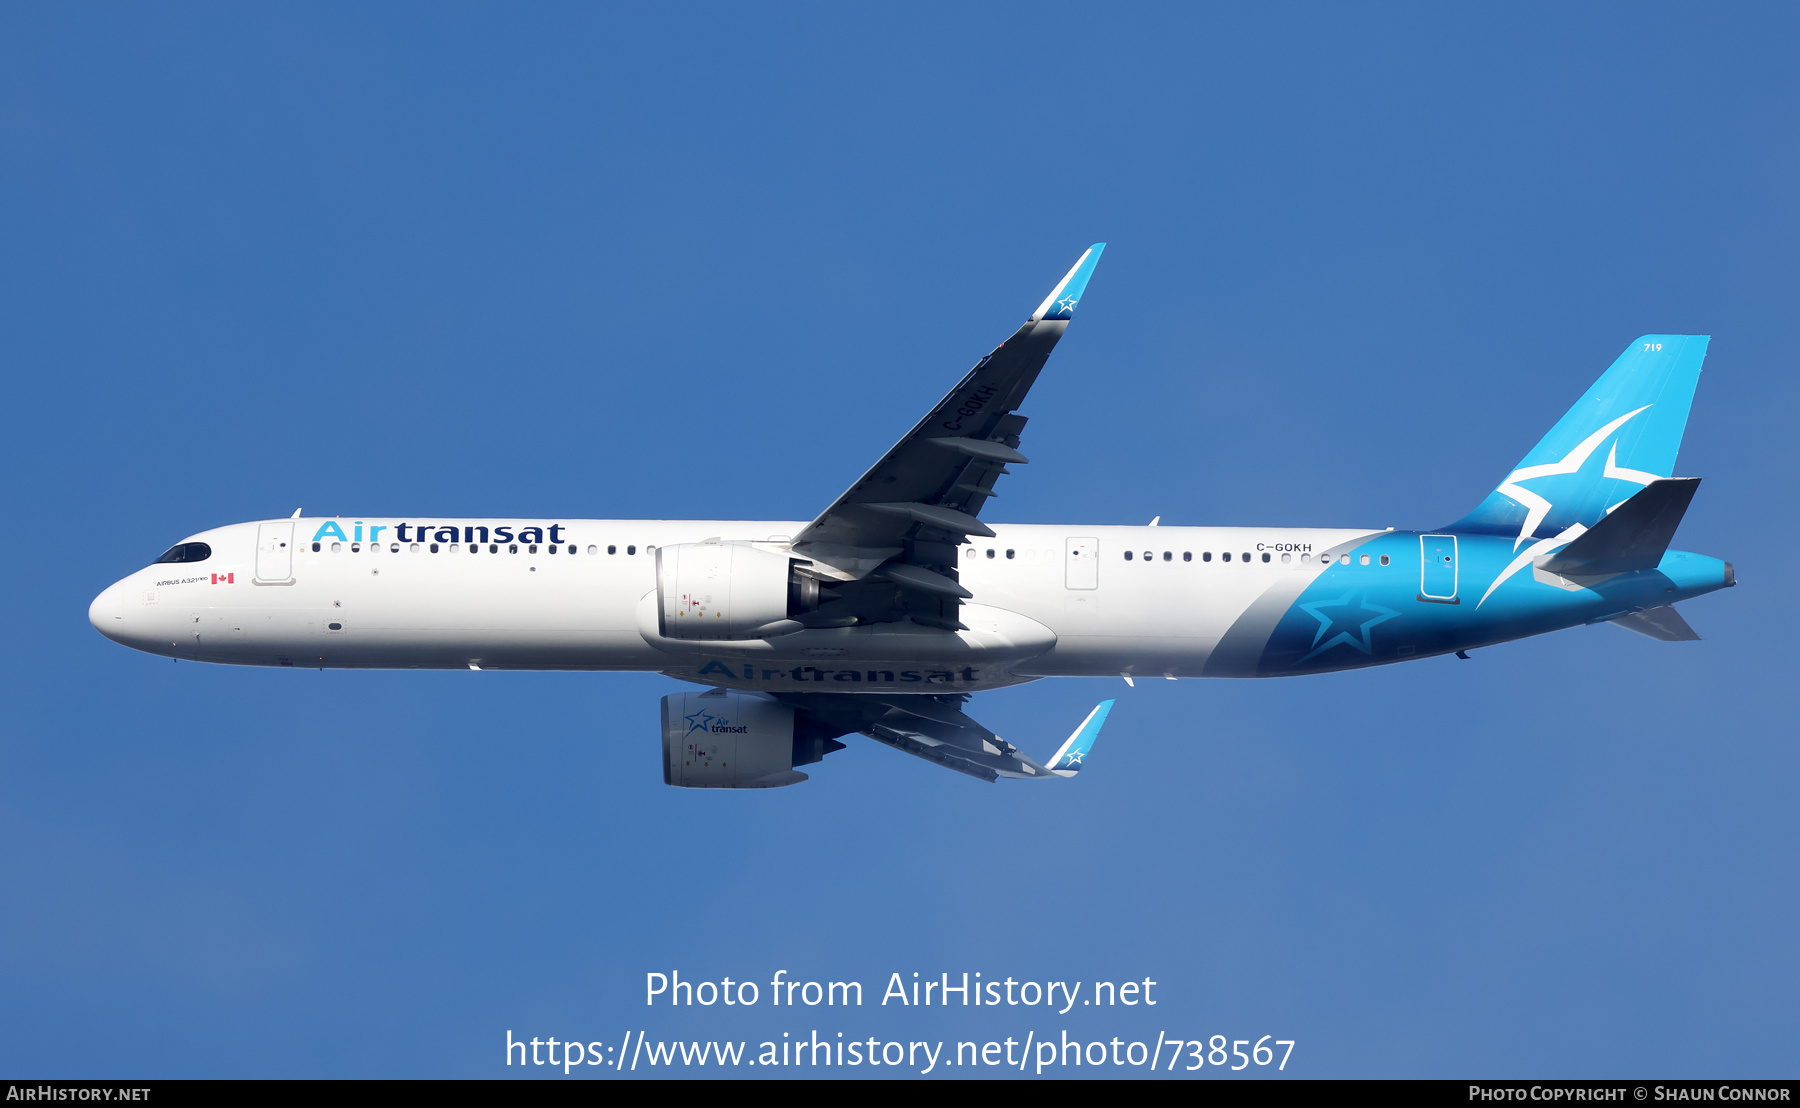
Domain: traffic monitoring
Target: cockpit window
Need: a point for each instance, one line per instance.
(186, 552)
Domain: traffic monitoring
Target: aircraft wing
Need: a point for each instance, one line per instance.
(899, 526)
(936, 729)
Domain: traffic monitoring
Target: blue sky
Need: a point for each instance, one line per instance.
(709, 262)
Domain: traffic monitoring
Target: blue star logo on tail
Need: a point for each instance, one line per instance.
(1566, 479)
(1569, 476)
(1345, 620)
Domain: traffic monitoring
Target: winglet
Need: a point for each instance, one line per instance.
(1068, 759)
(1060, 304)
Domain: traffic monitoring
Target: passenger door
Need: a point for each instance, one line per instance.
(275, 551)
(1437, 568)
(1081, 563)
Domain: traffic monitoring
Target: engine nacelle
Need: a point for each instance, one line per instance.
(733, 740)
(721, 590)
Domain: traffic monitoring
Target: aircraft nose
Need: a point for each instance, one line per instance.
(107, 612)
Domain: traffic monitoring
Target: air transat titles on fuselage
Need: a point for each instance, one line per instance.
(428, 532)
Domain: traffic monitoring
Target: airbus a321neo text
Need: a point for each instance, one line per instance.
(886, 612)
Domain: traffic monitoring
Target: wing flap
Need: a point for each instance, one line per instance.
(936, 729)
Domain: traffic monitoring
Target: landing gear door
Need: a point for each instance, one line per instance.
(1081, 563)
(275, 552)
(1437, 568)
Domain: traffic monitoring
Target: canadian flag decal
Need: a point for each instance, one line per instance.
(224, 578)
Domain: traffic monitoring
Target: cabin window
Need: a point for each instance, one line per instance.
(1344, 560)
(356, 548)
(1365, 559)
(394, 548)
(513, 548)
(1128, 555)
(1285, 558)
(592, 549)
(1225, 557)
(334, 626)
(631, 550)
(531, 549)
(315, 548)
(1009, 555)
(434, 548)
(1384, 559)
(1266, 556)
(455, 547)
(1168, 556)
(1187, 555)
(336, 547)
(1206, 556)
(551, 549)
(414, 548)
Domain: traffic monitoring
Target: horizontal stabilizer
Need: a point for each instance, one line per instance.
(1663, 624)
(1633, 537)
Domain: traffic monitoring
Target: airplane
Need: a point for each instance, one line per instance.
(884, 614)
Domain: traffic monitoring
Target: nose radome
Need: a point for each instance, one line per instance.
(107, 612)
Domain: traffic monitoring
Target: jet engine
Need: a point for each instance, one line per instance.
(733, 740)
(727, 590)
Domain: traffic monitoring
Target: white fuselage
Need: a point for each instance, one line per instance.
(1038, 609)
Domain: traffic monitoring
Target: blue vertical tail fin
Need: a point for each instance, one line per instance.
(1621, 435)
